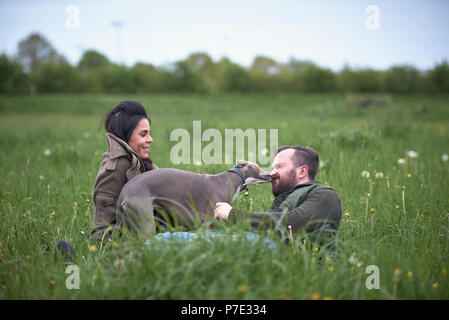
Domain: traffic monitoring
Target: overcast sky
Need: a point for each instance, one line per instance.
(330, 33)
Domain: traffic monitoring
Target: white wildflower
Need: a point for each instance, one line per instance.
(41, 177)
(412, 154)
(365, 174)
(379, 175)
(264, 151)
(354, 261)
(47, 152)
(401, 161)
(444, 157)
(197, 163)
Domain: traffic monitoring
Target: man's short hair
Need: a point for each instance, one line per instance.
(304, 156)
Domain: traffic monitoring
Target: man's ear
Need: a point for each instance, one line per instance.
(302, 172)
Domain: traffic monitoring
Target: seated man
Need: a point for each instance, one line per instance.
(300, 204)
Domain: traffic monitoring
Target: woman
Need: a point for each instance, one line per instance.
(129, 138)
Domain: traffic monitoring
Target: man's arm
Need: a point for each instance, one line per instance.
(320, 207)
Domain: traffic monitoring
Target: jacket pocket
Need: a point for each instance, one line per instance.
(104, 200)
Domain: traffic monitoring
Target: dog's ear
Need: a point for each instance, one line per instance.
(241, 163)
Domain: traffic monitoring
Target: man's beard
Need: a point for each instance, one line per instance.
(286, 185)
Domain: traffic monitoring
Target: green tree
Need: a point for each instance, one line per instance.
(231, 77)
(360, 80)
(147, 78)
(58, 77)
(92, 60)
(203, 66)
(12, 77)
(34, 51)
(403, 79)
(439, 78)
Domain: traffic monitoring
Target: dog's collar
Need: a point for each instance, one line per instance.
(237, 170)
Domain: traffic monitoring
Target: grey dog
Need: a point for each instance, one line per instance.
(181, 196)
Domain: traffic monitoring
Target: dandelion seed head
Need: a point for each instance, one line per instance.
(379, 175)
(412, 154)
(47, 152)
(401, 161)
(365, 174)
(444, 158)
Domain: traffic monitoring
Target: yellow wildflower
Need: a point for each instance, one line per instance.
(397, 207)
(96, 153)
(409, 175)
(347, 214)
(87, 201)
(410, 274)
(327, 298)
(313, 278)
(435, 285)
(53, 213)
(115, 245)
(315, 296)
(316, 249)
(241, 288)
(75, 203)
(331, 269)
(92, 248)
(372, 210)
(397, 272)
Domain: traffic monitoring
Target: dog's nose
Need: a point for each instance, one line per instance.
(274, 175)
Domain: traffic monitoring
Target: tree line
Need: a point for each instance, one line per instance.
(39, 68)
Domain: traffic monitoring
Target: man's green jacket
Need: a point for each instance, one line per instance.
(310, 207)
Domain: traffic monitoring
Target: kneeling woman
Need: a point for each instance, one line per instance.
(128, 137)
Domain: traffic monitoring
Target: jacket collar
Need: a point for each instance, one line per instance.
(117, 147)
(300, 186)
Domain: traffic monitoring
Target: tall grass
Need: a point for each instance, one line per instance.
(52, 147)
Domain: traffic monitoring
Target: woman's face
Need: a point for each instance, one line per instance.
(140, 139)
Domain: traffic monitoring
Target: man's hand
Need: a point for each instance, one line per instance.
(222, 210)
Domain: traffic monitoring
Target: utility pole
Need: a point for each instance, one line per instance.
(117, 25)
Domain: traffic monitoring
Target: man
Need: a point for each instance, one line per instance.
(300, 204)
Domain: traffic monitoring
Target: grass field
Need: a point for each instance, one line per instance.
(52, 147)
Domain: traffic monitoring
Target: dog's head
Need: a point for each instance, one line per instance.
(252, 173)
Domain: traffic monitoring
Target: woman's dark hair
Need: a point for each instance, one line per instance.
(123, 119)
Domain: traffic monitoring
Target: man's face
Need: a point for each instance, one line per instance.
(283, 175)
